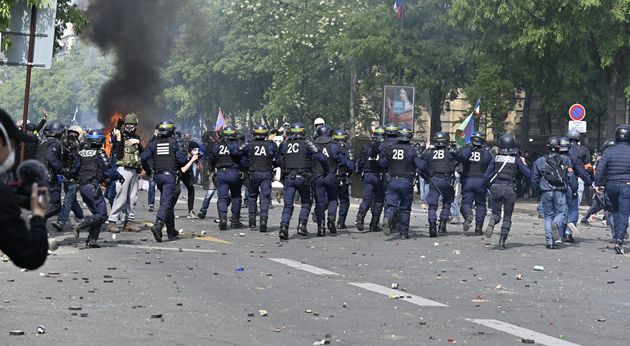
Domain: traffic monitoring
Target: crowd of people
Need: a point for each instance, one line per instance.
(317, 168)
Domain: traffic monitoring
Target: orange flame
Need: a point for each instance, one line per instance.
(113, 121)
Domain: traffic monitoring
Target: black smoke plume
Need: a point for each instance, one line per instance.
(139, 33)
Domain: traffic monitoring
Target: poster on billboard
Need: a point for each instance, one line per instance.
(399, 104)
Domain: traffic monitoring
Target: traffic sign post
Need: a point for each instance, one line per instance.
(577, 112)
(579, 126)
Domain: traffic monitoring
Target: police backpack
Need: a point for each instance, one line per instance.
(555, 171)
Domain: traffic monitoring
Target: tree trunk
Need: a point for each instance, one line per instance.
(611, 105)
(437, 104)
(525, 118)
(353, 98)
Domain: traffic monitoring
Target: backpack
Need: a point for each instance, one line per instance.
(555, 171)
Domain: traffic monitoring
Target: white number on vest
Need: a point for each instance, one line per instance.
(260, 151)
(325, 152)
(223, 150)
(475, 156)
(293, 148)
(438, 154)
(399, 154)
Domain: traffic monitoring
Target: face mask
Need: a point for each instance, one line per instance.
(130, 128)
(10, 161)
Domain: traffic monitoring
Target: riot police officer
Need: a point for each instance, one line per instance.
(477, 161)
(343, 176)
(599, 201)
(228, 157)
(167, 159)
(582, 167)
(372, 179)
(400, 160)
(295, 159)
(566, 234)
(501, 178)
(263, 156)
(549, 178)
(325, 185)
(127, 149)
(70, 153)
(438, 167)
(50, 153)
(92, 167)
(613, 172)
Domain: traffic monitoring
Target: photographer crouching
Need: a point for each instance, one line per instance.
(26, 247)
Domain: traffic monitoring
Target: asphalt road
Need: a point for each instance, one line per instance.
(452, 289)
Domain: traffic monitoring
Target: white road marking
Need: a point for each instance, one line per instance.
(389, 292)
(523, 333)
(302, 266)
(165, 248)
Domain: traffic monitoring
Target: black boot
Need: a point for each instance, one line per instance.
(479, 229)
(321, 230)
(387, 227)
(468, 223)
(263, 225)
(490, 228)
(95, 230)
(201, 215)
(157, 230)
(442, 227)
(341, 224)
(252, 223)
(432, 229)
(331, 227)
(404, 232)
(236, 222)
(360, 220)
(172, 233)
(223, 222)
(374, 226)
(502, 240)
(301, 228)
(284, 232)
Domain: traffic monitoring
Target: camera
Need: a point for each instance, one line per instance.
(28, 173)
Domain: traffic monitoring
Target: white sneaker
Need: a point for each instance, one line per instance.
(192, 215)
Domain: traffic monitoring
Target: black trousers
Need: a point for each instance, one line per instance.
(502, 195)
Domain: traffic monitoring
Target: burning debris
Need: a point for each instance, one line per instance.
(139, 33)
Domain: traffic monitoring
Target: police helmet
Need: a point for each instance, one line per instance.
(297, 130)
(166, 128)
(95, 137)
(378, 132)
(553, 144)
(323, 131)
(405, 133)
(573, 135)
(131, 119)
(260, 131)
(477, 138)
(319, 122)
(54, 129)
(76, 129)
(609, 143)
(622, 134)
(565, 143)
(230, 132)
(391, 130)
(441, 139)
(507, 144)
(340, 135)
